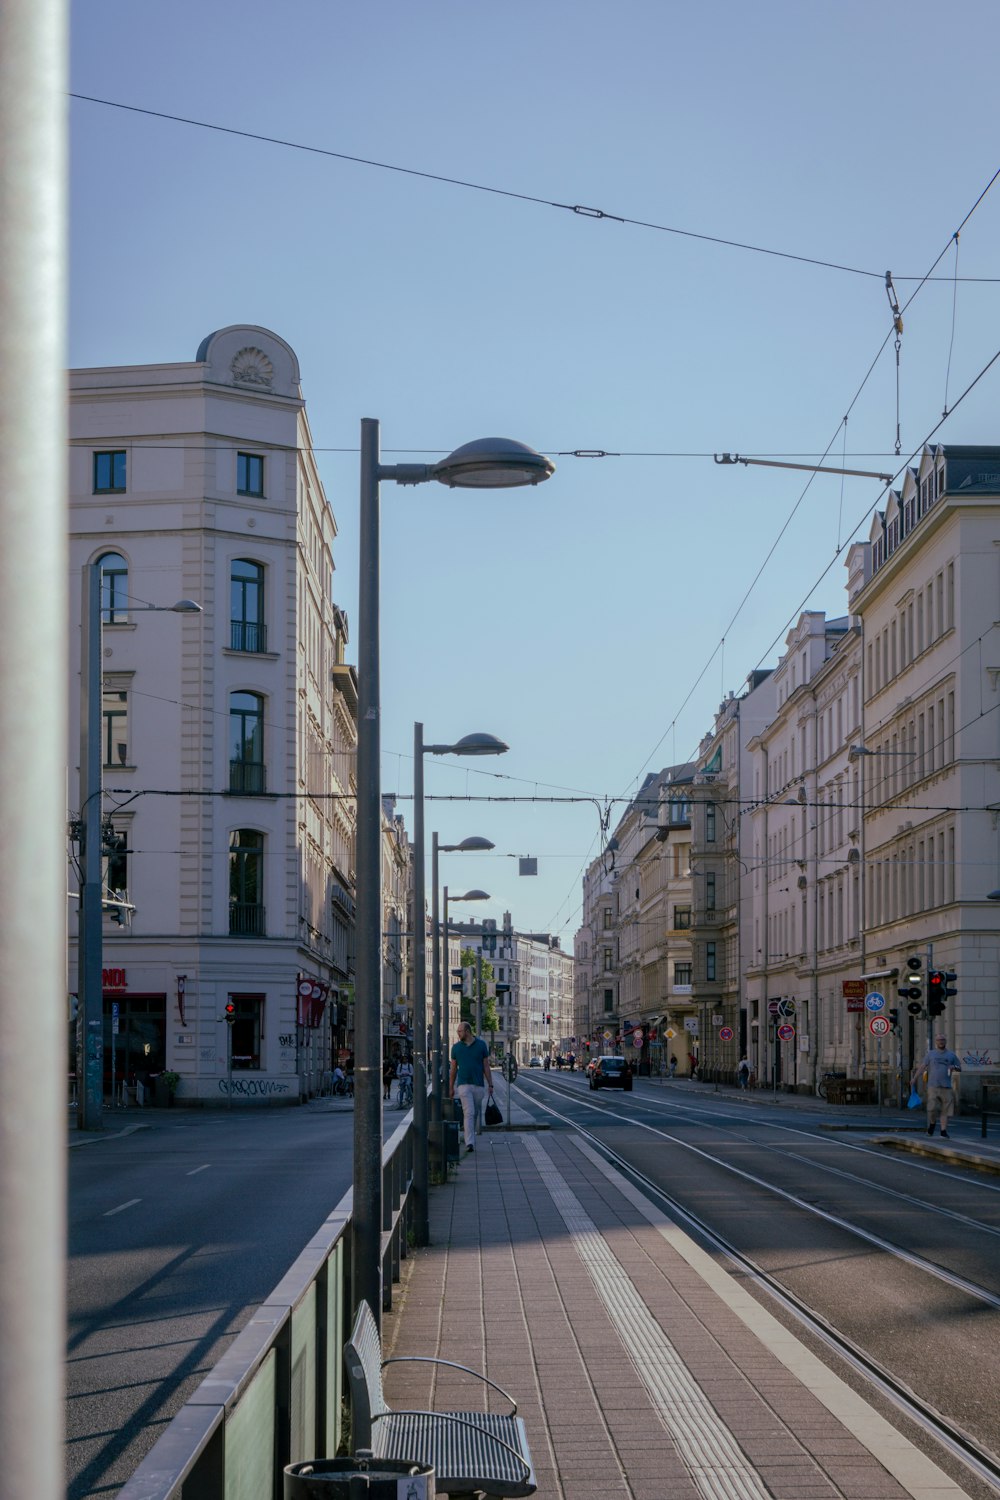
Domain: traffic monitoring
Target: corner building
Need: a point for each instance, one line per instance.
(228, 736)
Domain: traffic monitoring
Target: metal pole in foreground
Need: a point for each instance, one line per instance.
(421, 1162)
(35, 673)
(366, 1215)
(90, 986)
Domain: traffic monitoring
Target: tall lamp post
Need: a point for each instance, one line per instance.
(471, 744)
(467, 846)
(475, 895)
(490, 463)
(90, 954)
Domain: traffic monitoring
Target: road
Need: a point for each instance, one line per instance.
(899, 1253)
(177, 1231)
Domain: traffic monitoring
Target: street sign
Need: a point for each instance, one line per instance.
(671, 1033)
(607, 1035)
(786, 1032)
(786, 1007)
(772, 1007)
(726, 1034)
(874, 1001)
(854, 989)
(878, 1025)
(637, 1038)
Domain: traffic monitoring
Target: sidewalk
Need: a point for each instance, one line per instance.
(642, 1370)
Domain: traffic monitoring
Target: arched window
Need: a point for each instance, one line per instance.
(246, 883)
(246, 606)
(247, 774)
(114, 588)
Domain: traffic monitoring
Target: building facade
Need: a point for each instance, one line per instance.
(228, 736)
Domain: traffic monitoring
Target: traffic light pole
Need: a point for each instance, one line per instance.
(929, 969)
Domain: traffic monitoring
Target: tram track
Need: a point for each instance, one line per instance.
(974, 1455)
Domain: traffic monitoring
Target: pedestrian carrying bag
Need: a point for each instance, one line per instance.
(914, 1101)
(493, 1115)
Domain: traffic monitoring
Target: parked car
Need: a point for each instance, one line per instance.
(611, 1072)
(534, 1062)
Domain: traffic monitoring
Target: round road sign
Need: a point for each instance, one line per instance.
(786, 1032)
(878, 1025)
(637, 1038)
(875, 1001)
(726, 1033)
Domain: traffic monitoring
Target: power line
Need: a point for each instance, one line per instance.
(579, 209)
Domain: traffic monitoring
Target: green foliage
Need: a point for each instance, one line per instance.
(491, 1021)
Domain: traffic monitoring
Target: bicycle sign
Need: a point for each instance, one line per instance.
(878, 1025)
(874, 1001)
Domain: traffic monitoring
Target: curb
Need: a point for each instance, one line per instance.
(951, 1154)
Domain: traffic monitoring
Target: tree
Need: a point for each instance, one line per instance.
(491, 1021)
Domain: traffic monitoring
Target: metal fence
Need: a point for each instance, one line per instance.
(276, 1396)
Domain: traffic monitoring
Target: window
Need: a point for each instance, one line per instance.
(114, 588)
(247, 773)
(710, 823)
(682, 917)
(710, 962)
(682, 976)
(607, 960)
(249, 474)
(245, 1031)
(607, 918)
(710, 890)
(114, 711)
(246, 883)
(609, 1000)
(109, 473)
(246, 606)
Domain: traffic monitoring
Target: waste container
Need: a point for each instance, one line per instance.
(359, 1478)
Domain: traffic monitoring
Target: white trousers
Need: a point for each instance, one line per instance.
(472, 1096)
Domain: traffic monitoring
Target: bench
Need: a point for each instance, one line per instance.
(470, 1452)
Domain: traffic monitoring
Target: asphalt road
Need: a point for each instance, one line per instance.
(176, 1233)
(898, 1252)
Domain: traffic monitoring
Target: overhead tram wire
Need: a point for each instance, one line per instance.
(579, 209)
(853, 402)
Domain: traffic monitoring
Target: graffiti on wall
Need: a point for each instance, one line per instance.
(252, 1088)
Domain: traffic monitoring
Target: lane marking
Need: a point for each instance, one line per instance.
(715, 1461)
(121, 1207)
(917, 1473)
(196, 1170)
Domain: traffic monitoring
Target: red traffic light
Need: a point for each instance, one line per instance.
(230, 1012)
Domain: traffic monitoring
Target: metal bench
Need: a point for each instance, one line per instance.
(470, 1452)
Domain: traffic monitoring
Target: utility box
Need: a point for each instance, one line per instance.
(443, 1142)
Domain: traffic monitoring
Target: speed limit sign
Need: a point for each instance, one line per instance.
(878, 1025)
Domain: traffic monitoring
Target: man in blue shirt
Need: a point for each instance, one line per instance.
(469, 1077)
(939, 1062)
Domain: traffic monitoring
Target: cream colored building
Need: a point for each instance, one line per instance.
(228, 736)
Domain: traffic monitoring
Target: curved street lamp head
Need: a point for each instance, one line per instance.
(476, 895)
(473, 842)
(493, 464)
(185, 607)
(993, 896)
(479, 744)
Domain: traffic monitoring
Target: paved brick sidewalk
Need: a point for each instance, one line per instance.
(642, 1371)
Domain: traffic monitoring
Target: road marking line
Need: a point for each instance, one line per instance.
(112, 1211)
(918, 1475)
(196, 1170)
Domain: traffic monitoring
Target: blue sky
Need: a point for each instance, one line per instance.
(575, 619)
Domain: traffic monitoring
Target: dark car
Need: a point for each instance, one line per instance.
(611, 1073)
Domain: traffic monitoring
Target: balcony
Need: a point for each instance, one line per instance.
(247, 778)
(247, 635)
(246, 919)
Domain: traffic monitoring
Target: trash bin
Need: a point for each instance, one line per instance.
(359, 1478)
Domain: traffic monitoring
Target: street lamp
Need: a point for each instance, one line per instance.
(90, 953)
(490, 463)
(474, 895)
(467, 846)
(470, 744)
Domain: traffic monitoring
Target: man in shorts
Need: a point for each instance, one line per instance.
(939, 1062)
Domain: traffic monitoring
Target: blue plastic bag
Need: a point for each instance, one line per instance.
(914, 1101)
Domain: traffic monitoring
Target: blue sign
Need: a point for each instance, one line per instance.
(875, 1001)
(114, 1008)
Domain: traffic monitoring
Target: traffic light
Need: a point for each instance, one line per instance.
(230, 1012)
(894, 1018)
(914, 1008)
(948, 977)
(468, 983)
(548, 1019)
(457, 975)
(912, 986)
(936, 993)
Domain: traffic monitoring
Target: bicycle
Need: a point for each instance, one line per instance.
(405, 1095)
(826, 1078)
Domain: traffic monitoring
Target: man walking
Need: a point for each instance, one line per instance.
(940, 1062)
(469, 1078)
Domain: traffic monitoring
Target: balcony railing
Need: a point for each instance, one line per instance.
(247, 635)
(248, 778)
(246, 919)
